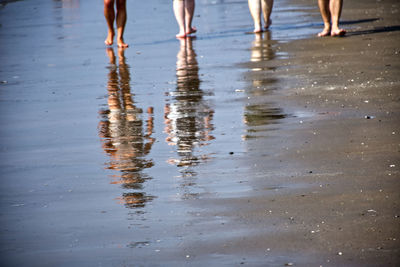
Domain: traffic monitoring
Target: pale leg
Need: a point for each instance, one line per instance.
(255, 11)
(266, 6)
(189, 12)
(179, 11)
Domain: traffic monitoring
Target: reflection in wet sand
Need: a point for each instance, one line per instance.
(67, 11)
(188, 117)
(123, 135)
(67, 3)
(261, 49)
(258, 115)
(261, 53)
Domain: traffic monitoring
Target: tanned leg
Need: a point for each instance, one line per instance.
(121, 21)
(326, 17)
(109, 14)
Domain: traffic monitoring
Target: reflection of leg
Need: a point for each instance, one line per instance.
(121, 21)
(256, 49)
(124, 85)
(267, 36)
(179, 11)
(326, 17)
(121, 56)
(190, 54)
(266, 6)
(189, 46)
(189, 12)
(150, 121)
(181, 63)
(109, 14)
(335, 7)
(150, 126)
(111, 55)
(168, 124)
(255, 11)
(112, 79)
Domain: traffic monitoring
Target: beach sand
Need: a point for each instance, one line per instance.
(280, 149)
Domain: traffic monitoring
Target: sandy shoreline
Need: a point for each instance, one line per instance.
(343, 153)
(273, 150)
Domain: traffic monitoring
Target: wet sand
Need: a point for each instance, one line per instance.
(227, 149)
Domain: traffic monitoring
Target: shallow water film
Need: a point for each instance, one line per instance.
(226, 148)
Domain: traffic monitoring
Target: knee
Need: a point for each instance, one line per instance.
(108, 3)
(121, 4)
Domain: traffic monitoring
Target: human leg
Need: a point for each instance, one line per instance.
(121, 21)
(189, 12)
(326, 17)
(179, 12)
(255, 11)
(335, 7)
(109, 14)
(266, 6)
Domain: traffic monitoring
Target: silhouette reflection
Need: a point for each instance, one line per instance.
(259, 114)
(188, 116)
(125, 137)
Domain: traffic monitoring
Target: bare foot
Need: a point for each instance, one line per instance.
(338, 33)
(110, 39)
(192, 30)
(181, 35)
(122, 44)
(325, 32)
(258, 30)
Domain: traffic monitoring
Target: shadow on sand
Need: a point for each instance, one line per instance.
(394, 28)
(320, 24)
(358, 21)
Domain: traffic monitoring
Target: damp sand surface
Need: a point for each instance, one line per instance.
(280, 149)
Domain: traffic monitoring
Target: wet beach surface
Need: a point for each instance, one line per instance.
(225, 149)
